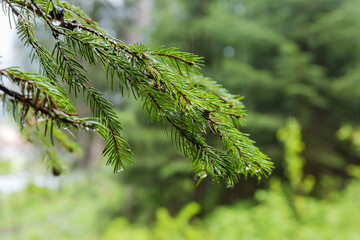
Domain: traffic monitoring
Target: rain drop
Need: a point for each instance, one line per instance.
(120, 170)
(56, 22)
(86, 129)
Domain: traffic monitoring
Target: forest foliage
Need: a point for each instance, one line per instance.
(297, 65)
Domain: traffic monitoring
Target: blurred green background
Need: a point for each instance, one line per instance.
(296, 62)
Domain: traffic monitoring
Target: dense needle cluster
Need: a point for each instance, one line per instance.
(166, 80)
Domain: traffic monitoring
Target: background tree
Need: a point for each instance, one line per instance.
(280, 57)
(288, 58)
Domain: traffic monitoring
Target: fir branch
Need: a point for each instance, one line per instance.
(27, 34)
(166, 79)
(36, 93)
(116, 147)
(190, 63)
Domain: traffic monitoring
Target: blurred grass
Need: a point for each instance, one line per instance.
(89, 209)
(78, 210)
(272, 219)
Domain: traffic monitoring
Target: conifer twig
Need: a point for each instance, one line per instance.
(167, 80)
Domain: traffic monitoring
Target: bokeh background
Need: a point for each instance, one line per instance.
(296, 62)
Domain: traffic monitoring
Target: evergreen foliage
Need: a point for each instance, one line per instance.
(166, 80)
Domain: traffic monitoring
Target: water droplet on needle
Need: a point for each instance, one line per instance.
(56, 22)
